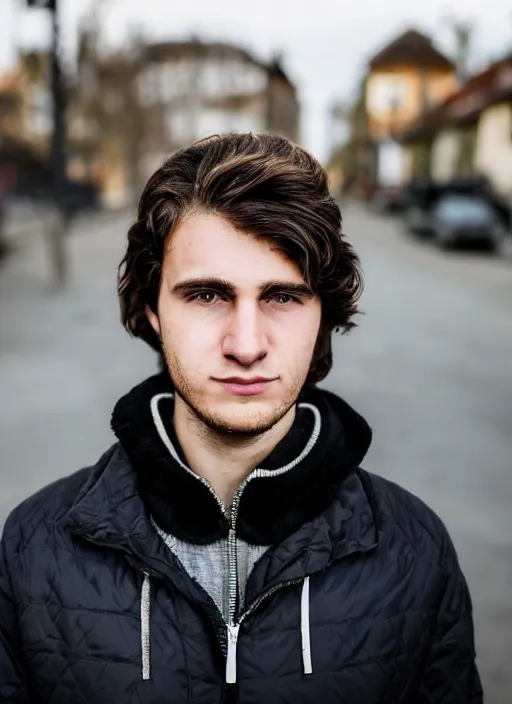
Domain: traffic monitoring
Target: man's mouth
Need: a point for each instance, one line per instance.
(246, 386)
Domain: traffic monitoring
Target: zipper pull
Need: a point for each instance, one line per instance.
(231, 657)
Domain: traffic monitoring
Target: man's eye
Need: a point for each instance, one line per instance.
(205, 296)
(283, 298)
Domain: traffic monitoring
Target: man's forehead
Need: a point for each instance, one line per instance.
(208, 246)
(200, 232)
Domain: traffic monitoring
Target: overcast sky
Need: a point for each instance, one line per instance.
(325, 42)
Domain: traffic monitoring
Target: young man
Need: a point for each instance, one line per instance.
(229, 547)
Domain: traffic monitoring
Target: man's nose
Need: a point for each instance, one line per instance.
(245, 340)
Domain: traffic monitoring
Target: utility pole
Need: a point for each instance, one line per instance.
(463, 35)
(462, 31)
(338, 118)
(56, 232)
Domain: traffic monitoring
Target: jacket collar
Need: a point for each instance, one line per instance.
(271, 507)
(110, 513)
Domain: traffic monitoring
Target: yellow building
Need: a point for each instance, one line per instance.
(406, 78)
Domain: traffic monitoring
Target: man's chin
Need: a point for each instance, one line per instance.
(246, 419)
(240, 423)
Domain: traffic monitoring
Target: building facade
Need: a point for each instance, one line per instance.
(406, 78)
(160, 97)
(128, 110)
(470, 133)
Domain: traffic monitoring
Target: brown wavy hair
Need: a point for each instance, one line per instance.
(261, 184)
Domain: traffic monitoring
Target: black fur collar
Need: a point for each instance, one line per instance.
(271, 508)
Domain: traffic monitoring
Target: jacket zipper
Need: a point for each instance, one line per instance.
(233, 626)
(232, 540)
(233, 630)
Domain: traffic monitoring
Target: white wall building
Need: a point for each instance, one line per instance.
(493, 151)
(196, 89)
(445, 155)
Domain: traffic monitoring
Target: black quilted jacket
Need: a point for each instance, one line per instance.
(362, 603)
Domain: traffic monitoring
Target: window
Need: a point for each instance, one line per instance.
(386, 93)
(181, 126)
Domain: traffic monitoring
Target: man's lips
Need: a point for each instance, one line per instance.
(242, 386)
(244, 380)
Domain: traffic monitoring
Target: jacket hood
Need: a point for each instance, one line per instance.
(294, 484)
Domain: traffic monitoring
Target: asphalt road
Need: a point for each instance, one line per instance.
(430, 366)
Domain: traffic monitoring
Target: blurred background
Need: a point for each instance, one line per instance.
(410, 111)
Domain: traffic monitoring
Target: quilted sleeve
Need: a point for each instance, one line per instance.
(13, 685)
(450, 675)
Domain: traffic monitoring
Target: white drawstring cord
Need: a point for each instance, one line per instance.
(145, 628)
(304, 627)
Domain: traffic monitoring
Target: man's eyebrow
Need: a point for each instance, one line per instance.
(222, 286)
(291, 287)
(209, 282)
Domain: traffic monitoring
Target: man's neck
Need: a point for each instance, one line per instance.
(224, 461)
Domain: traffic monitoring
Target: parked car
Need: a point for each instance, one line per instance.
(465, 220)
(421, 197)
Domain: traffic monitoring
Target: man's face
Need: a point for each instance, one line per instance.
(238, 325)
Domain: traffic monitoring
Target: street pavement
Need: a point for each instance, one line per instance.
(430, 366)
(431, 369)
(64, 358)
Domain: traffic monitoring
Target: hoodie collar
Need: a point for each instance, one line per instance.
(275, 503)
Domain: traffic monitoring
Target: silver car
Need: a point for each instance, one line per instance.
(465, 220)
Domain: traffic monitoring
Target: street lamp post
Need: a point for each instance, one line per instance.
(57, 229)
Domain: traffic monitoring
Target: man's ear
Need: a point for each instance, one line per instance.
(153, 320)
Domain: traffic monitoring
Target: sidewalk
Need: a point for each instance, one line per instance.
(64, 357)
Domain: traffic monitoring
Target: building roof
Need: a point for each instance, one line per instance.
(414, 49)
(195, 47)
(484, 89)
